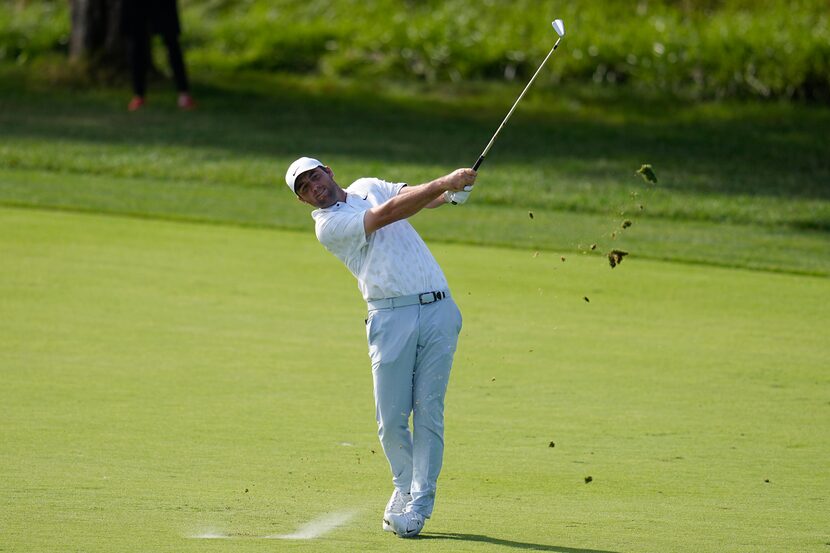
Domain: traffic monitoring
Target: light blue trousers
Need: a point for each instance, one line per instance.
(411, 349)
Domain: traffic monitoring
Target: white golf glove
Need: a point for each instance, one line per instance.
(458, 198)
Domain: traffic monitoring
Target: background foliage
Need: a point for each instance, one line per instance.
(699, 49)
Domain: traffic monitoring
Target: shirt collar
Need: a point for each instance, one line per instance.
(354, 199)
(351, 199)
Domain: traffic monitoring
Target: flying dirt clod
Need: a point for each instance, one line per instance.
(647, 173)
(615, 257)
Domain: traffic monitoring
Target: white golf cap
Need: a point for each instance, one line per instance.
(299, 167)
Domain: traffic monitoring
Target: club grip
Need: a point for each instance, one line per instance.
(478, 163)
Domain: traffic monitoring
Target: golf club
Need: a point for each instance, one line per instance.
(559, 27)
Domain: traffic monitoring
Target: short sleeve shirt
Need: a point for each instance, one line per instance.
(392, 261)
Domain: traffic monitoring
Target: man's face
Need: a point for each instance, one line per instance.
(317, 187)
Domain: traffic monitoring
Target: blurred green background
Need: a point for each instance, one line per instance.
(693, 48)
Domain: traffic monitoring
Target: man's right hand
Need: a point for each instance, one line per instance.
(460, 179)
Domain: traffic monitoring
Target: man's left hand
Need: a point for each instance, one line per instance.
(458, 197)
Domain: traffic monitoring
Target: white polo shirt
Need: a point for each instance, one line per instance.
(392, 261)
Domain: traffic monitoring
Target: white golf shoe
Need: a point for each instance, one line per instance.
(397, 503)
(407, 524)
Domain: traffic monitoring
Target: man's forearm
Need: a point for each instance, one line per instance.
(437, 202)
(405, 204)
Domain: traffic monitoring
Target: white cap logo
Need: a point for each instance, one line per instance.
(299, 167)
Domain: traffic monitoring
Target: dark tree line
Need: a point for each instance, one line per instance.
(96, 36)
(97, 40)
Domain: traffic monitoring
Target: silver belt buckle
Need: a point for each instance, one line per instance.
(435, 297)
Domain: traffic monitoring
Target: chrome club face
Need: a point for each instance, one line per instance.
(559, 27)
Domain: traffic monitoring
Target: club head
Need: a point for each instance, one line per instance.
(559, 27)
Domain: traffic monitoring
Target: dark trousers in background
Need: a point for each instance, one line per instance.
(140, 61)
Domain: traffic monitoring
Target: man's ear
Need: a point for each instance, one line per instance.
(328, 170)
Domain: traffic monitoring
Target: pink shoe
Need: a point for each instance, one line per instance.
(186, 101)
(136, 103)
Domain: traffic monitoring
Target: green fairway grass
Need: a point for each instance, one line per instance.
(181, 360)
(162, 380)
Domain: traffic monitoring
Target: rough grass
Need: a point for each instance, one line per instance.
(163, 380)
(738, 184)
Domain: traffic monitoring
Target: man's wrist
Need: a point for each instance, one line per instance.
(443, 184)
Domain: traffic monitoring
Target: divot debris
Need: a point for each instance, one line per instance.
(647, 172)
(615, 257)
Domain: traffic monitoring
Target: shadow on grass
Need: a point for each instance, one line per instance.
(508, 543)
(770, 150)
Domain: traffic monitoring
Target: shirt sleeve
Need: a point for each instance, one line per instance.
(378, 191)
(389, 190)
(342, 233)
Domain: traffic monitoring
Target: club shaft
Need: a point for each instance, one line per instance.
(516, 103)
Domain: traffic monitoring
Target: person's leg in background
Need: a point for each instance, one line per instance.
(139, 51)
(176, 58)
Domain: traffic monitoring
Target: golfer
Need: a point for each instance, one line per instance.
(413, 323)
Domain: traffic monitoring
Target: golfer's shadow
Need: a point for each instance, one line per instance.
(508, 543)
